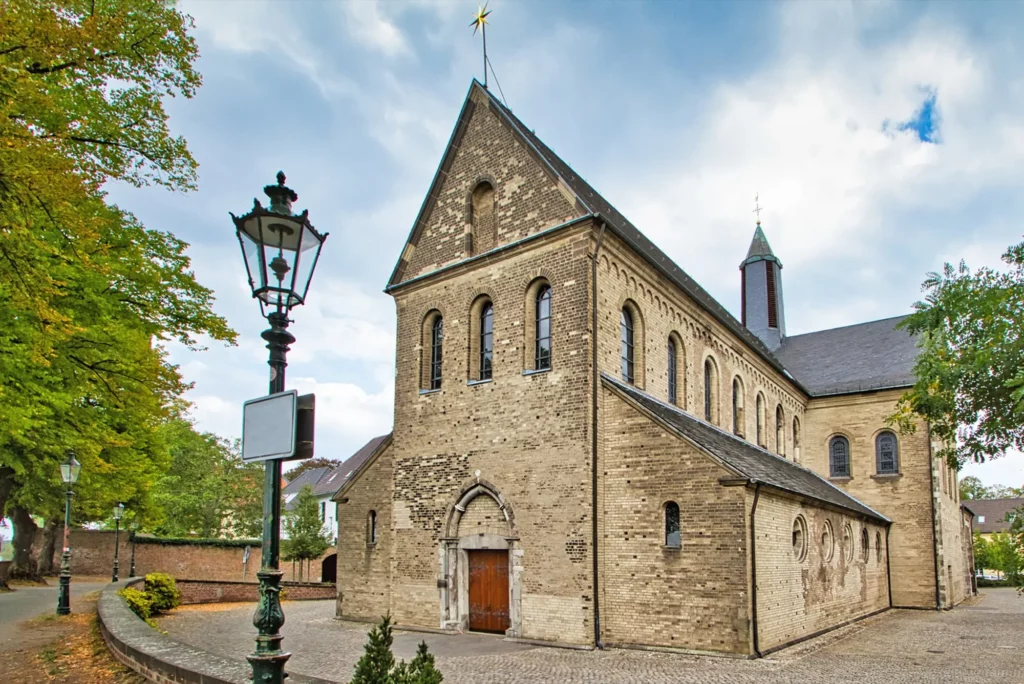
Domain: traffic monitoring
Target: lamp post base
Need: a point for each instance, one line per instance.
(64, 593)
(268, 660)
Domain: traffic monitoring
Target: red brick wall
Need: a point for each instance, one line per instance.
(204, 591)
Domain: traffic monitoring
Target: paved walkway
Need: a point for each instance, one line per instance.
(982, 642)
(27, 602)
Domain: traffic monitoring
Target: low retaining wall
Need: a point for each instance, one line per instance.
(213, 591)
(159, 658)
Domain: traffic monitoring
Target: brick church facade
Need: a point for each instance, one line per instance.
(588, 448)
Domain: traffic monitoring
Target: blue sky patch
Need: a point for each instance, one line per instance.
(925, 121)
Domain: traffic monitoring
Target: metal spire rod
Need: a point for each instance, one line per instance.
(480, 22)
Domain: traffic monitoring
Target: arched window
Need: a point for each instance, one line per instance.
(482, 219)
(864, 543)
(761, 437)
(800, 538)
(710, 390)
(486, 342)
(828, 542)
(796, 439)
(672, 370)
(673, 535)
(436, 342)
(886, 453)
(542, 351)
(737, 406)
(626, 325)
(371, 528)
(780, 431)
(848, 543)
(839, 456)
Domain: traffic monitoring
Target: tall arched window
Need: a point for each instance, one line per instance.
(737, 406)
(673, 535)
(780, 431)
(709, 383)
(886, 453)
(672, 370)
(839, 457)
(486, 342)
(436, 342)
(761, 441)
(482, 218)
(542, 353)
(796, 439)
(626, 329)
(371, 528)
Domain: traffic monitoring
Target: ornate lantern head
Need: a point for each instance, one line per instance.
(118, 511)
(70, 469)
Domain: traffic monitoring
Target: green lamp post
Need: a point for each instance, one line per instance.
(118, 512)
(69, 471)
(280, 250)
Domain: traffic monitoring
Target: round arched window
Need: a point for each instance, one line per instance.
(864, 543)
(828, 542)
(848, 543)
(800, 538)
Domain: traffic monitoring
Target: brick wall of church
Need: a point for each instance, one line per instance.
(798, 596)
(364, 587)
(525, 433)
(954, 564)
(664, 310)
(693, 597)
(527, 200)
(904, 498)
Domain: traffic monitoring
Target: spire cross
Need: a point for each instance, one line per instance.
(757, 209)
(480, 23)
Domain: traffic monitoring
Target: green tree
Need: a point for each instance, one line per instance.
(207, 490)
(983, 559)
(969, 379)
(377, 665)
(307, 538)
(311, 464)
(87, 294)
(971, 488)
(1004, 555)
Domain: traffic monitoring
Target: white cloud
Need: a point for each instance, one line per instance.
(369, 27)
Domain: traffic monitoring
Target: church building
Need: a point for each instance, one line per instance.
(589, 449)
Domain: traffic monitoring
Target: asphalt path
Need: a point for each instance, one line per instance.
(25, 603)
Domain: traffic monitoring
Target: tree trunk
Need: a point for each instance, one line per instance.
(45, 564)
(6, 487)
(300, 569)
(22, 565)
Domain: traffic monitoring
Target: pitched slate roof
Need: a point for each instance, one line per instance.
(994, 511)
(854, 358)
(310, 477)
(330, 485)
(747, 460)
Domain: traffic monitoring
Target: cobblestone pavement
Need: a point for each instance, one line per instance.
(982, 641)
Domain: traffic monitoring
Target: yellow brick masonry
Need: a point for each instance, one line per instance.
(800, 597)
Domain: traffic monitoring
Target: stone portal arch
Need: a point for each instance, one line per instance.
(479, 519)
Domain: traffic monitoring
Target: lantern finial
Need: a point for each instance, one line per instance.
(281, 196)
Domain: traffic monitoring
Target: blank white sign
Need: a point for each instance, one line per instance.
(268, 427)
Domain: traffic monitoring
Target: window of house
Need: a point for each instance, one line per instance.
(759, 406)
(828, 543)
(323, 511)
(671, 371)
(839, 456)
(626, 325)
(436, 341)
(486, 342)
(737, 406)
(981, 519)
(780, 431)
(542, 351)
(796, 439)
(371, 528)
(673, 536)
(800, 538)
(886, 457)
(864, 543)
(710, 390)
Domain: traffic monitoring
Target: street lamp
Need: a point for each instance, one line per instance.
(69, 471)
(118, 512)
(280, 250)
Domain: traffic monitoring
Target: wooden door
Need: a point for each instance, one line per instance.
(488, 591)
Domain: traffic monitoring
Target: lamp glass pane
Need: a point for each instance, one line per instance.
(251, 254)
(118, 511)
(310, 250)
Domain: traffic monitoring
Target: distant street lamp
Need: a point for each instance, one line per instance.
(69, 471)
(135, 530)
(280, 250)
(118, 512)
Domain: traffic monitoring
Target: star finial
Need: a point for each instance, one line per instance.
(757, 209)
(480, 18)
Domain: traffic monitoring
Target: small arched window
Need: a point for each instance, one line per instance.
(839, 457)
(886, 453)
(828, 542)
(672, 370)
(626, 330)
(487, 342)
(436, 343)
(371, 528)
(848, 543)
(864, 543)
(800, 538)
(482, 218)
(761, 439)
(673, 535)
(710, 390)
(780, 431)
(796, 439)
(542, 351)
(737, 406)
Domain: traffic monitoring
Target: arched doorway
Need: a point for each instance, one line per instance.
(480, 590)
(329, 568)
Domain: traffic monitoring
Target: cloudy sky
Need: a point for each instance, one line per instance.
(883, 138)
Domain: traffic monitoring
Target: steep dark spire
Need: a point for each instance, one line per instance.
(759, 248)
(761, 305)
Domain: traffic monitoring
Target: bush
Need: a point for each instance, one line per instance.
(162, 591)
(377, 666)
(993, 583)
(140, 602)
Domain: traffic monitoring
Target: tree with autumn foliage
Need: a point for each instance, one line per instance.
(88, 295)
